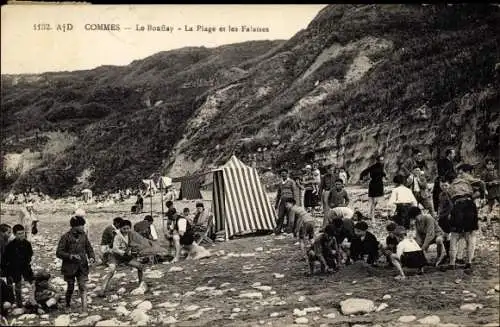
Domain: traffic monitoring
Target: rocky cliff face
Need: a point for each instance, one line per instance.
(360, 80)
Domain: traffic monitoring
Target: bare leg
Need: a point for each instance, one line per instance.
(135, 264)
(82, 288)
(178, 248)
(471, 245)
(395, 261)
(107, 279)
(454, 239)
(441, 250)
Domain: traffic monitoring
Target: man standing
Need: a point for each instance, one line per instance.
(445, 169)
(27, 219)
(327, 184)
(338, 195)
(464, 215)
(286, 189)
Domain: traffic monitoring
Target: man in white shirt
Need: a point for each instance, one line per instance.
(184, 237)
(408, 254)
(403, 199)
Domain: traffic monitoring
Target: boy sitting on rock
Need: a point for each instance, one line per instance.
(325, 250)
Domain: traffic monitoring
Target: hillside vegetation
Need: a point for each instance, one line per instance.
(353, 84)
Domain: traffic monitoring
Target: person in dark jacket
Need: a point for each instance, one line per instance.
(16, 263)
(445, 168)
(377, 174)
(76, 252)
(287, 189)
(364, 244)
(144, 227)
(107, 238)
(5, 235)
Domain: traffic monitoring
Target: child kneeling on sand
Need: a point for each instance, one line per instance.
(408, 254)
(325, 250)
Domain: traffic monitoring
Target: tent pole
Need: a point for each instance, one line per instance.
(162, 212)
(151, 193)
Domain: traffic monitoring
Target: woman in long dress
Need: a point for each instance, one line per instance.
(376, 172)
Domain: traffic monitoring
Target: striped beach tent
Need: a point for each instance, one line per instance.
(240, 204)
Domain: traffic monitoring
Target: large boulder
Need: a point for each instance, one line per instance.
(354, 306)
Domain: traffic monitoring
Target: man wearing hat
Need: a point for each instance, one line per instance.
(28, 219)
(464, 215)
(287, 189)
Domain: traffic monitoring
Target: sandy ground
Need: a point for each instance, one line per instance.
(237, 265)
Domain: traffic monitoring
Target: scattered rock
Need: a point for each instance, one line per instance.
(251, 295)
(189, 293)
(331, 315)
(110, 322)
(381, 307)
(175, 269)
(387, 297)
(430, 320)
(278, 276)
(458, 281)
(89, 321)
(312, 309)
(168, 305)
(62, 320)
(30, 316)
(169, 320)
(204, 288)
(302, 321)
(497, 287)
(471, 307)
(274, 314)
(224, 285)
(191, 308)
(354, 306)
(154, 274)
(45, 316)
(17, 311)
(140, 290)
(122, 311)
(263, 288)
(406, 319)
(299, 313)
(121, 291)
(236, 310)
(259, 249)
(301, 298)
(139, 317)
(146, 306)
(348, 293)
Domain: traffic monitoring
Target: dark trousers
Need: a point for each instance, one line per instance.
(280, 223)
(401, 216)
(436, 191)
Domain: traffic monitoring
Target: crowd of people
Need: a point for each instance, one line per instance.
(122, 244)
(442, 214)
